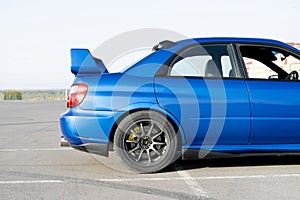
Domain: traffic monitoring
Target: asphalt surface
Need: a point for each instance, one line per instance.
(34, 166)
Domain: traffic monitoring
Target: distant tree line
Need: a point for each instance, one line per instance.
(34, 95)
(12, 95)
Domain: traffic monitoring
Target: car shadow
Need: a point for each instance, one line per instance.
(233, 162)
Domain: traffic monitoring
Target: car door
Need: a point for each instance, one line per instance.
(275, 100)
(203, 89)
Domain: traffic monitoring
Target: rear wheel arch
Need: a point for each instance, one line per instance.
(146, 141)
(176, 126)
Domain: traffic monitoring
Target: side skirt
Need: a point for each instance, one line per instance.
(224, 151)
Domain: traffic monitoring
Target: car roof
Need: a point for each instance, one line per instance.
(161, 55)
(234, 40)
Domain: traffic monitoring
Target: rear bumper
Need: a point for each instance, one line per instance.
(95, 148)
(88, 131)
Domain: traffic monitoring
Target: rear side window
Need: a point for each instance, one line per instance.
(204, 61)
(190, 66)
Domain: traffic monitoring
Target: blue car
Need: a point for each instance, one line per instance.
(188, 99)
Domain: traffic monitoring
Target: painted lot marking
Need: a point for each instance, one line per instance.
(32, 182)
(160, 179)
(192, 184)
(45, 149)
(202, 178)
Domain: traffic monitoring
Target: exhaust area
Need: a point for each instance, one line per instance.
(64, 142)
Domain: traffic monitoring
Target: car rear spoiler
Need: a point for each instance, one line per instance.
(82, 62)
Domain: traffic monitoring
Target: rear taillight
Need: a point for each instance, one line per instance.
(77, 94)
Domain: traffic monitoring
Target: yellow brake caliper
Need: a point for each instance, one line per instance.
(132, 136)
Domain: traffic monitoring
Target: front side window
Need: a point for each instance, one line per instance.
(270, 63)
(204, 61)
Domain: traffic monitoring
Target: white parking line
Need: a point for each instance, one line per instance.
(32, 182)
(192, 184)
(45, 149)
(201, 178)
(185, 178)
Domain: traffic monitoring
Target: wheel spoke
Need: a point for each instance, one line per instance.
(156, 135)
(140, 156)
(155, 151)
(159, 143)
(150, 130)
(142, 129)
(131, 141)
(149, 156)
(134, 149)
(134, 133)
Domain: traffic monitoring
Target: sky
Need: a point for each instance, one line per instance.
(36, 36)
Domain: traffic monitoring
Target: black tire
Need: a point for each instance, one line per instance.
(146, 142)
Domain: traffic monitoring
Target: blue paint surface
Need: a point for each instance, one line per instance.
(223, 115)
